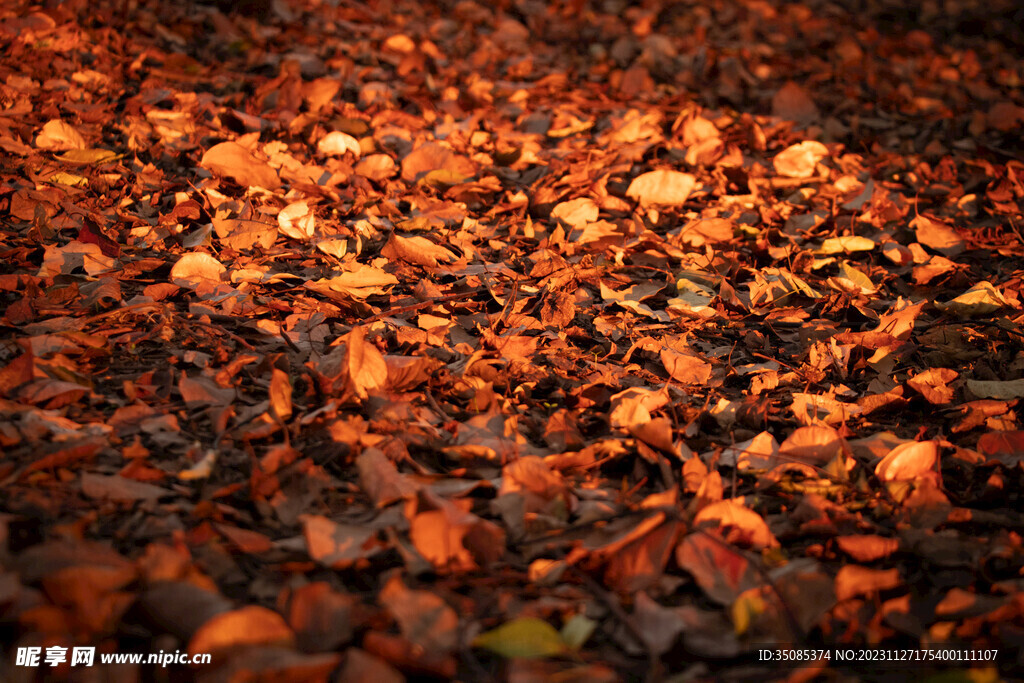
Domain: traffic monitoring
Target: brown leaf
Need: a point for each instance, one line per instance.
(195, 268)
(1007, 447)
(118, 488)
(794, 103)
(380, 478)
(721, 572)
(19, 371)
(321, 617)
(241, 234)
(59, 135)
(800, 160)
(685, 368)
(424, 618)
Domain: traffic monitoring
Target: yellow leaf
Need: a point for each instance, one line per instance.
(85, 157)
(981, 299)
(525, 637)
(746, 608)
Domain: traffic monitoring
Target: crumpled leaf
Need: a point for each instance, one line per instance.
(633, 406)
(297, 221)
(576, 212)
(801, 159)
(338, 143)
(934, 385)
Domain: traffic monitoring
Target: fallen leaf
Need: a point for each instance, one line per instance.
(662, 187)
(59, 135)
(937, 235)
(908, 461)
(853, 580)
(231, 160)
(738, 523)
(800, 160)
(195, 268)
(524, 637)
(338, 143)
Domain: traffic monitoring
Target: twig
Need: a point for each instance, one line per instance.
(424, 304)
(210, 326)
(435, 406)
(509, 302)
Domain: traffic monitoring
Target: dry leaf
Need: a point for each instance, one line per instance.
(231, 160)
(196, 268)
(664, 187)
(908, 461)
(800, 160)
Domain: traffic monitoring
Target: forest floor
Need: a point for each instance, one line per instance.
(513, 341)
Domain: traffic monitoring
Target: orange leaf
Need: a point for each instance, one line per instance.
(367, 370)
(867, 547)
(281, 394)
(231, 160)
(250, 625)
(853, 580)
(741, 524)
(908, 461)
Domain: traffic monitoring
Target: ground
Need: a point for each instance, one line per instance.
(669, 341)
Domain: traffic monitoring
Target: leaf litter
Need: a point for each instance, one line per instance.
(513, 341)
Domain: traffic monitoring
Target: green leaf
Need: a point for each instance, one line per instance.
(525, 637)
(576, 631)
